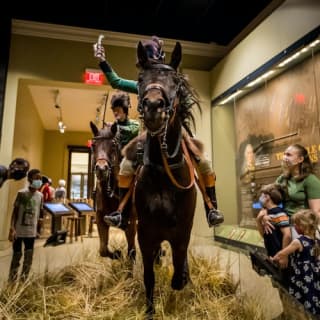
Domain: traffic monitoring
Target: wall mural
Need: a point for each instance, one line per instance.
(285, 110)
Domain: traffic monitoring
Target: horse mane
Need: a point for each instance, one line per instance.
(189, 98)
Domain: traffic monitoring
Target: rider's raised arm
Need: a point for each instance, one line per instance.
(115, 81)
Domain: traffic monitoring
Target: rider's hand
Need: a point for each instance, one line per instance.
(99, 52)
(267, 224)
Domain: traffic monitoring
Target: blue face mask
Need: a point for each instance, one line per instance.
(262, 200)
(36, 184)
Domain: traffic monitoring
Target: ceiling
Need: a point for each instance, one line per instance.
(206, 21)
(93, 101)
(218, 24)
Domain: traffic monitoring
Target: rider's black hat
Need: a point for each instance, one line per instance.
(121, 99)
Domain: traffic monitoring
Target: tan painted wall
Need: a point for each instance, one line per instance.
(28, 144)
(200, 80)
(28, 131)
(55, 152)
(287, 24)
(224, 161)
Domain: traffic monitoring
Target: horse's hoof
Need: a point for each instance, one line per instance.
(104, 254)
(149, 313)
(161, 253)
(116, 254)
(132, 254)
(149, 316)
(178, 284)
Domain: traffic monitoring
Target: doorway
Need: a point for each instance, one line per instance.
(79, 173)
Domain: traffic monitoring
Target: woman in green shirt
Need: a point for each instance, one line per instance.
(301, 185)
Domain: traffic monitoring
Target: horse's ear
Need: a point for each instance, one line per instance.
(176, 56)
(94, 129)
(142, 55)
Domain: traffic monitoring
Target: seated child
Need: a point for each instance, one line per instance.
(280, 237)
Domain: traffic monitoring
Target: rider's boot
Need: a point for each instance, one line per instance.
(213, 215)
(120, 217)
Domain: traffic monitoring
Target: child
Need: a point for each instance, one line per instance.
(305, 261)
(280, 237)
(25, 216)
(60, 193)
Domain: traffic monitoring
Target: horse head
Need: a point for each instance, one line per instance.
(158, 88)
(105, 151)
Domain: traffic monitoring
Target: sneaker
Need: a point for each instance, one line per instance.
(215, 217)
(113, 220)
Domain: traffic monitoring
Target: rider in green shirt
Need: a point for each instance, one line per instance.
(156, 55)
(126, 128)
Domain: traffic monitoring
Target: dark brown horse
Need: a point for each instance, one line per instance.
(165, 194)
(106, 160)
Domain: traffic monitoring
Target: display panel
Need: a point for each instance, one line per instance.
(81, 206)
(57, 208)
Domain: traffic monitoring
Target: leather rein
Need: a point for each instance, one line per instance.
(190, 167)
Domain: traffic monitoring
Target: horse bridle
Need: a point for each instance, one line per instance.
(109, 164)
(170, 109)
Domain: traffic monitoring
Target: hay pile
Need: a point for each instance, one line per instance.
(105, 289)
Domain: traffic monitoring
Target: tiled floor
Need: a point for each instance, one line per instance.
(251, 284)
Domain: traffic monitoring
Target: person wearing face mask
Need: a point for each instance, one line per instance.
(25, 216)
(17, 170)
(301, 185)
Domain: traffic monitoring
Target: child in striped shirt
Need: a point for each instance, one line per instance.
(280, 237)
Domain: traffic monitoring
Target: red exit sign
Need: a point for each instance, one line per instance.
(93, 76)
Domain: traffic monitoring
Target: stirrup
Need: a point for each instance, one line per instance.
(214, 217)
(113, 220)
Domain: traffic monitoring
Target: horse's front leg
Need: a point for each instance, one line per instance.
(148, 252)
(149, 281)
(103, 231)
(181, 268)
(130, 236)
